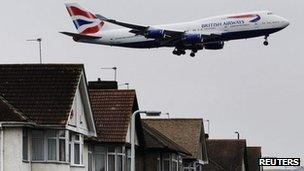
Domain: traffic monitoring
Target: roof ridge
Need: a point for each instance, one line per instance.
(16, 111)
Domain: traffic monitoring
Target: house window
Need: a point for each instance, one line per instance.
(62, 146)
(189, 167)
(166, 162)
(120, 158)
(25, 144)
(128, 159)
(76, 149)
(37, 145)
(180, 163)
(174, 162)
(90, 158)
(111, 158)
(100, 158)
(48, 145)
(52, 145)
(158, 163)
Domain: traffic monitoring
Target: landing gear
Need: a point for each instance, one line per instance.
(266, 40)
(192, 54)
(179, 52)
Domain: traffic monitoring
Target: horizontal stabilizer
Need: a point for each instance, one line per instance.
(80, 36)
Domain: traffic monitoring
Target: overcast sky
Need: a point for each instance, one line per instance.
(256, 90)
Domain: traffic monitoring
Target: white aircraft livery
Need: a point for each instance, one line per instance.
(209, 33)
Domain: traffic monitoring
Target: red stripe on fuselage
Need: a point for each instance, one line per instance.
(76, 11)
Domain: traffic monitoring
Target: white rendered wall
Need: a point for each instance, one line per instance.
(13, 150)
(50, 167)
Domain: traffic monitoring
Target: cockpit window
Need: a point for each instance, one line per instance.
(270, 13)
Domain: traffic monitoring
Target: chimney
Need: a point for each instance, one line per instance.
(103, 84)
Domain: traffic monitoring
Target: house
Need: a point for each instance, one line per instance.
(160, 152)
(45, 115)
(188, 134)
(112, 110)
(226, 155)
(110, 150)
(253, 155)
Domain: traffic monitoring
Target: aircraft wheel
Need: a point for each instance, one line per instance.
(192, 54)
(175, 52)
(266, 43)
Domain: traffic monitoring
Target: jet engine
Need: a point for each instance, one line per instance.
(155, 33)
(193, 38)
(214, 46)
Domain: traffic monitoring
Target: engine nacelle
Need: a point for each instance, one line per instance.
(193, 38)
(155, 33)
(214, 46)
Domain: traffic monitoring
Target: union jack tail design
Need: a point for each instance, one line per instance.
(84, 21)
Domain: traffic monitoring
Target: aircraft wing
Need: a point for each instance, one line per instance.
(138, 29)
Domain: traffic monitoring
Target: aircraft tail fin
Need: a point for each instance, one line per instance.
(85, 22)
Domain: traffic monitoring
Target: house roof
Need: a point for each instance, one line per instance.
(156, 140)
(112, 110)
(187, 133)
(9, 113)
(43, 93)
(253, 155)
(226, 154)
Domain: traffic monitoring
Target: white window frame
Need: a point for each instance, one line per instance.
(42, 138)
(159, 163)
(45, 142)
(46, 151)
(166, 159)
(180, 163)
(115, 158)
(66, 146)
(122, 154)
(128, 159)
(72, 142)
(175, 161)
(94, 153)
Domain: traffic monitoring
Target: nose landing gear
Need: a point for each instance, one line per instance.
(266, 40)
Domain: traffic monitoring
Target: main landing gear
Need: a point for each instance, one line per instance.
(179, 52)
(266, 40)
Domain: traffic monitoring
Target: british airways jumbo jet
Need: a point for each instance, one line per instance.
(209, 33)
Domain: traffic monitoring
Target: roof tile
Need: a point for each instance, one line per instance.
(42, 92)
(112, 110)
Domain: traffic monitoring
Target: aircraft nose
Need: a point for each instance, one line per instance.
(284, 22)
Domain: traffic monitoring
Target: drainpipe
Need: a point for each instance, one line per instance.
(1, 147)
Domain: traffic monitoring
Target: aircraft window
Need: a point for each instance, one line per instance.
(270, 13)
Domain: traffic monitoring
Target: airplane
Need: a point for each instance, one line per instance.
(209, 33)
